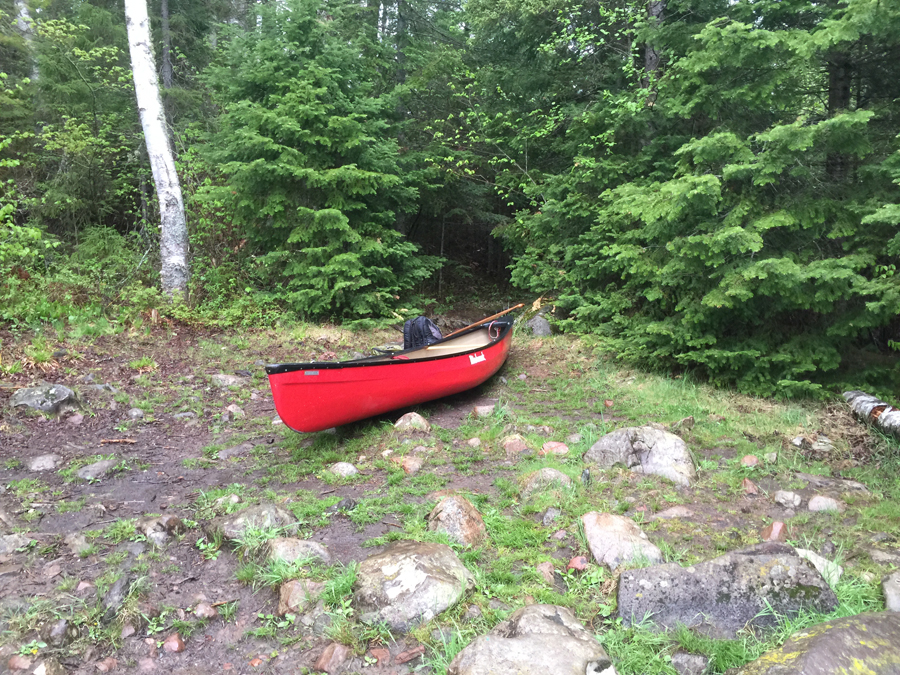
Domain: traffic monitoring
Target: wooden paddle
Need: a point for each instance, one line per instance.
(481, 321)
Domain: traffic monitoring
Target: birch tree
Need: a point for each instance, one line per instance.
(173, 236)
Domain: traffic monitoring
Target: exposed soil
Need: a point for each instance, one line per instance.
(163, 469)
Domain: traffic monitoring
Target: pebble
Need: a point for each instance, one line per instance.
(411, 465)
(749, 487)
(579, 563)
(344, 469)
(554, 448)
(787, 499)
(75, 420)
(749, 460)
(474, 442)
(776, 531)
(174, 643)
(44, 462)
(483, 410)
(332, 659)
(135, 414)
(823, 503)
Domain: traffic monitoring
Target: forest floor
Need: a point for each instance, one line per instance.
(550, 389)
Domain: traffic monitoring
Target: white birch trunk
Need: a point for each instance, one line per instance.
(876, 412)
(25, 26)
(173, 236)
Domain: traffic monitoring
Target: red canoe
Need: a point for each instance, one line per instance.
(316, 396)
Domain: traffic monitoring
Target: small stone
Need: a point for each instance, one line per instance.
(891, 587)
(690, 664)
(544, 479)
(18, 662)
(777, 531)
(236, 411)
(185, 415)
(381, 655)
(83, 586)
(276, 421)
(686, 423)
(344, 469)
(96, 470)
(749, 460)
(830, 571)
(298, 595)
(58, 634)
(560, 535)
(386, 453)
(44, 462)
(474, 442)
(225, 380)
(579, 563)
(107, 665)
(546, 571)
(127, 631)
(514, 445)
(412, 421)
(771, 457)
(174, 643)
(574, 439)
(554, 448)
(823, 503)
(411, 465)
(332, 659)
(410, 654)
(75, 420)
(291, 550)
(483, 410)
(749, 487)
(522, 377)
(673, 512)
(787, 499)
(550, 516)
(459, 520)
(135, 414)
(204, 610)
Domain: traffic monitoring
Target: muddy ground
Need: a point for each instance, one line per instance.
(171, 464)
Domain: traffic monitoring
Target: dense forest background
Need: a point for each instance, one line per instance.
(709, 185)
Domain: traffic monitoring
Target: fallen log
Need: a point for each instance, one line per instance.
(883, 416)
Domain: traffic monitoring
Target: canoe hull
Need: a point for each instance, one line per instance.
(316, 396)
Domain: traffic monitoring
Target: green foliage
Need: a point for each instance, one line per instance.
(311, 167)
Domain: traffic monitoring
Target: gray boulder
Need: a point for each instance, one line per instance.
(645, 450)
(291, 550)
(263, 516)
(50, 399)
(535, 640)
(544, 479)
(865, 643)
(97, 470)
(616, 540)
(890, 585)
(44, 462)
(459, 519)
(539, 326)
(721, 596)
(409, 582)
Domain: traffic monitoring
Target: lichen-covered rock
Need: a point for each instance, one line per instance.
(289, 550)
(865, 643)
(409, 582)
(459, 519)
(544, 479)
(412, 422)
(645, 450)
(721, 596)
(535, 640)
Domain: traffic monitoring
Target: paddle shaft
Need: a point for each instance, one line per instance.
(490, 318)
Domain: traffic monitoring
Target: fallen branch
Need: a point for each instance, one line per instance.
(881, 415)
(130, 441)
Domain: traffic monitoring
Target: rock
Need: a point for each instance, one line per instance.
(343, 469)
(410, 654)
(49, 667)
(550, 516)
(788, 499)
(579, 563)
(58, 633)
(412, 422)
(483, 410)
(771, 457)
(823, 503)
(546, 571)
(292, 550)
(10, 542)
(544, 479)
(459, 520)
(865, 643)
(891, 587)
(381, 655)
(224, 380)
(776, 531)
(690, 664)
(135, 414)
(749, 460)
(616, 540)
(298, 595)
(332, 660)
(185, 415)
(96, 470)
(76, 542)
(204, 610)
(719, 597)
(539, 326)
(44, 462)
(574, 439)
(645, 450)
(411, 464)
(115, 596)
(841, 484)
(554, 448)
(474, 442)
(343, 506)
(830, 571)
(514, 444)
(237, 412)
(50, 399)
(883, 557)
(173, 644)
(673, 512)
(267, 516)
(749, 487)
(409, 582)
(18, 662)
(107, 665)
(236, 451)
(75, 420)
(534, 640)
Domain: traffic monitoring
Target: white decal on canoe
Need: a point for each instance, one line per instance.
(310, 372)
(477, 358)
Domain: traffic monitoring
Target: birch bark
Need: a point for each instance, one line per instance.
(173, 235)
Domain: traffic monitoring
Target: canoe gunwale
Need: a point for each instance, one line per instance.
(505, 326)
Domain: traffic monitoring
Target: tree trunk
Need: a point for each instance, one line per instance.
(25, 26)
(879, 414)
(652, 55)
(840, 74)
(167, 70)
(173, 236)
